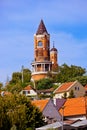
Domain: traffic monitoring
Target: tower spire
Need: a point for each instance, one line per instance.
(41, 28)
(53, 44)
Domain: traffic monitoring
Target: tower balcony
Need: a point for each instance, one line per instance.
(41, 67)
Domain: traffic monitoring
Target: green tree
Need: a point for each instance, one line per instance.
(17, 110)
(1, 85)
(45, 83)
(81, 79)
(65, 95)
(17, 77)
(67, 72)
(71, 94)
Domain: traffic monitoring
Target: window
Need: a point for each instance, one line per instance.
(75, 88)
(39, 43)
(24, 92)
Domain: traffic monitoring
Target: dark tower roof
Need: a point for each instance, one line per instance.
(53, 49)
(41, 28)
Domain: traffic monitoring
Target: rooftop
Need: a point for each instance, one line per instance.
(41, 29)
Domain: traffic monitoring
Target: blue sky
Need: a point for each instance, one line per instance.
(65, 20)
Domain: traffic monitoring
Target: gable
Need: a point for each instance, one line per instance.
(50, 111)
(64, 87)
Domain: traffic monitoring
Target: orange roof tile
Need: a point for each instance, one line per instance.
(40, 103)
(64, 87)
(74, 107)
(28, 88)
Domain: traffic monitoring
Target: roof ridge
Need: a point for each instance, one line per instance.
(58, 87)
(73, 82)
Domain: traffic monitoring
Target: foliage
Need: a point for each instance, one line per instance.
(45, 83)
(65, 95)
(81, 79)
(71, 94)
(16, 84)
(17, 77)
(1, 85)
(17, 112)
(67, 72)
(16, 88)
(13, 127)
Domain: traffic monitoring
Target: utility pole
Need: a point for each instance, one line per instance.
(33, 82)
(62, 116)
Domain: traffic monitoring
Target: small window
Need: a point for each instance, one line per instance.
(75, 88)
(39, 43)
(24, 92)
(28, 92)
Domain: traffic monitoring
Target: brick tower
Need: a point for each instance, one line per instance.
(53, 58)
(42, 62)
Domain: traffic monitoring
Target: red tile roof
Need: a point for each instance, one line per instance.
(75, 106)
(64, 87)
(40, 103)
(28, 87)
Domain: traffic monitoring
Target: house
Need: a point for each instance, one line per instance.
(48, 109)
(47, 92)
(29, 91)
(76, 87)
(74, 108)
(80, 125)
(53, 126)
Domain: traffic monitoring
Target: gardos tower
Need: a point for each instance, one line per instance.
(42, 63)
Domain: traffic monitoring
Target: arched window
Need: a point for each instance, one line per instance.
(39, 43)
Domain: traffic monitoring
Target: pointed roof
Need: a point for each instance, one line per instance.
(41, 28)
(28, 87)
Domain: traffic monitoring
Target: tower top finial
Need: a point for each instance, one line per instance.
(41, 28)
(53, 49)
(53, 44)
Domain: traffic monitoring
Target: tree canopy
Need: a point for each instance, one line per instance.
(21, 77)
(45, 83)
(16, 111)
(66, 73)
